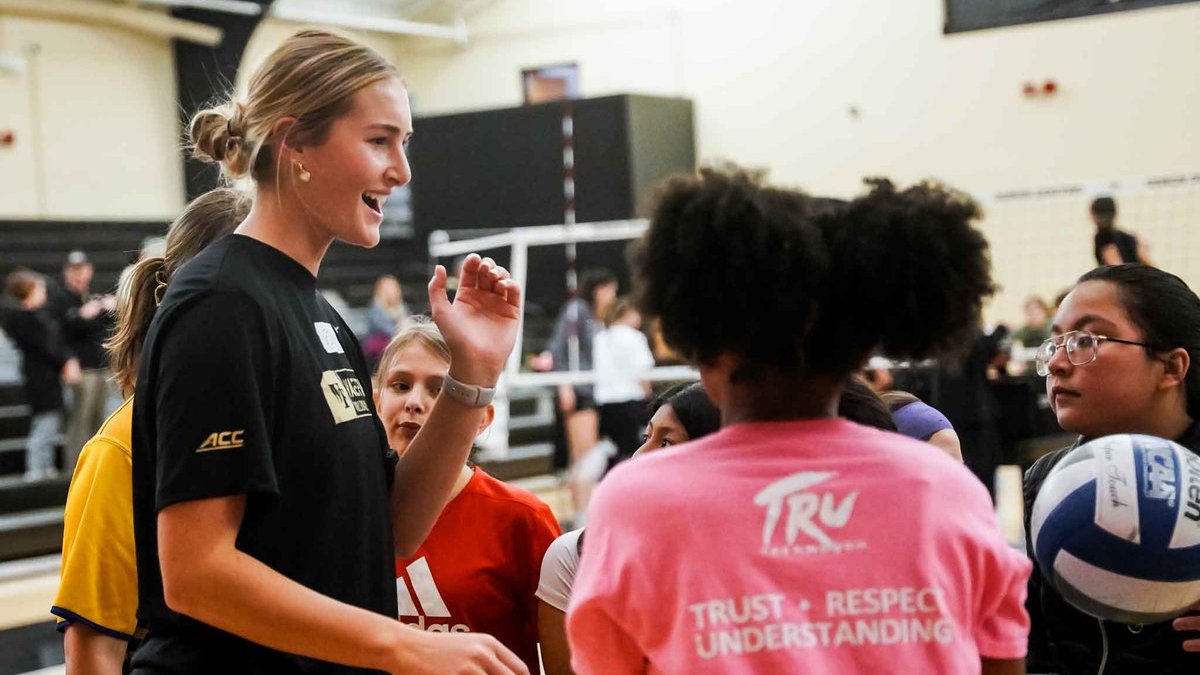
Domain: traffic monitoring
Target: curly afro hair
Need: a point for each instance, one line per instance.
(728, 268)
(797, 283)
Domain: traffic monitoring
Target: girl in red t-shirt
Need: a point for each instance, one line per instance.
(478, 569)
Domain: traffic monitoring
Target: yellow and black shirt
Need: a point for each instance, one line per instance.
(99, 573)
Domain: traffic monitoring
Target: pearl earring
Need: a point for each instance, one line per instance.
(305, 176)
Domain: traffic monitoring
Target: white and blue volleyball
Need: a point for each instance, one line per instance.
(1116, 528)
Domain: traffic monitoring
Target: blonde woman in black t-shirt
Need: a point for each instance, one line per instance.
(265, 518)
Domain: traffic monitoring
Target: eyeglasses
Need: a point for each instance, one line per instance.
(1082, 348)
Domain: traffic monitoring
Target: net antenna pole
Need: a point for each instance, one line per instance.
(519, 269)
(568, 139)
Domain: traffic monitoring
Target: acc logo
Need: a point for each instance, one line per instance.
(222, 440)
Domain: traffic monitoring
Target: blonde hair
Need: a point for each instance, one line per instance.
(209, 217)
(312, 77)
(618, 309)
(420, 330)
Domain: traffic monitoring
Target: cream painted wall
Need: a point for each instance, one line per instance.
(94, 116)
(272, 31)
(773, 83)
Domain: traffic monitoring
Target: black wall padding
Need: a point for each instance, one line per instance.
(504, 169)
(205, 74)
(965, 15)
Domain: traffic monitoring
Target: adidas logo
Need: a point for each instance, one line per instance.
(222, 440)
(425, 592)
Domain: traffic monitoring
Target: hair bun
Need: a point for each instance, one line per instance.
(217, 135)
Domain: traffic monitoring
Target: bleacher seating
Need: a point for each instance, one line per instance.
(31, 513)
(351, 271)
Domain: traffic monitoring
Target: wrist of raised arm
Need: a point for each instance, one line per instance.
(473, 372)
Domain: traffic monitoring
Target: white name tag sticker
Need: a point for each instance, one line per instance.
(328, 338)
(1117, 491)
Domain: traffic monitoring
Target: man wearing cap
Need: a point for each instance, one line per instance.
(87, 321)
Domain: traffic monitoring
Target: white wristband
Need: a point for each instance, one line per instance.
(470, 395)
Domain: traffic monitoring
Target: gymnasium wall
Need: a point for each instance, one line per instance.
(774, 82)
(95, 123)
(273, 31)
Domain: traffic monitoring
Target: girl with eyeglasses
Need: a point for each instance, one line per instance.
(1118, 362)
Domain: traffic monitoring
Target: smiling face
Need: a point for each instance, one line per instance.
(1119, 391)
(362, 159)
(663, 431)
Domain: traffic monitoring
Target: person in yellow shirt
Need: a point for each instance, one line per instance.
(97, 598)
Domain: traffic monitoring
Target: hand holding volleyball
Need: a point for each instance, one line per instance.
(481, 324)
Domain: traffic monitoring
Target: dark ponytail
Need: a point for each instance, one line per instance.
(794, 283)
(861, 405)
(1165, 309)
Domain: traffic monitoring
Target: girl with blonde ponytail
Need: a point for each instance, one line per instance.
(266, 519)
(96, 604)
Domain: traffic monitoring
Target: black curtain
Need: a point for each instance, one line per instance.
(206, 74)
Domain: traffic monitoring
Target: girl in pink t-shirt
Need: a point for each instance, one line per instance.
(792, 541)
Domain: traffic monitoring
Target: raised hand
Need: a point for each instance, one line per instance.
(71, 371)
(481, 324)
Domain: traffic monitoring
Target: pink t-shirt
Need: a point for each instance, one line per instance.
(816, 546)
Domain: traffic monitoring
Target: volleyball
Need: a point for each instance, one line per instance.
(1116, 528)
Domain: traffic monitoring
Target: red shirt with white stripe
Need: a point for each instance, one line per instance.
(479, 568)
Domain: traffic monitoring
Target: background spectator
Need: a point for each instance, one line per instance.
(1113, 246)
(387, 313)
(86, 321)
(44, 363)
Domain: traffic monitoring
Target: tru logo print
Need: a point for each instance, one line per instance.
(808, 512)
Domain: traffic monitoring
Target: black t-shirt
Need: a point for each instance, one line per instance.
(1127, 245)
(42, 357)
(250, 383)
(84, 337)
